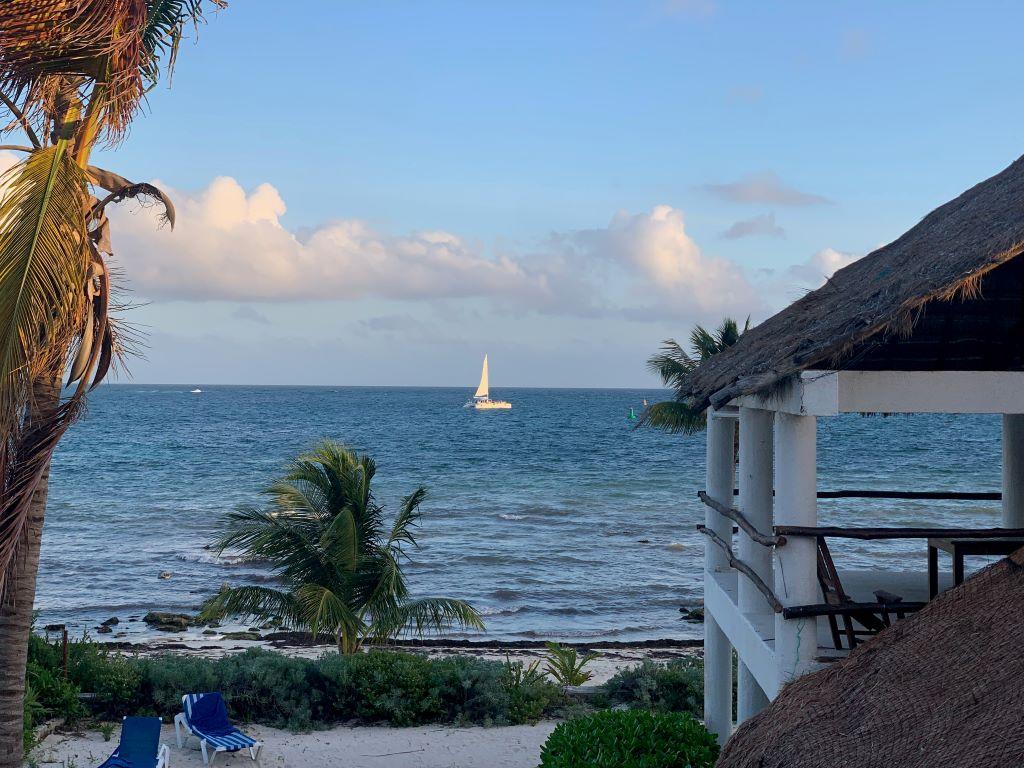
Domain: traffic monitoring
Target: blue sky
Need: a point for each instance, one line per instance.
(561, 185)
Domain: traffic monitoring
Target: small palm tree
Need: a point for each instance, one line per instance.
(325, 537)
(674, 365)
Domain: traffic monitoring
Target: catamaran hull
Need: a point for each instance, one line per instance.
(491, 405)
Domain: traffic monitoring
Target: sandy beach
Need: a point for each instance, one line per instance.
(360, 747)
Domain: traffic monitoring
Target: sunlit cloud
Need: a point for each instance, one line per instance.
(231, 244)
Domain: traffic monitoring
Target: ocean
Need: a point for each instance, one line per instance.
(556, 519)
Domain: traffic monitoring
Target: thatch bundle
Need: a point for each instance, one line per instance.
(945, 257)
(942, 688)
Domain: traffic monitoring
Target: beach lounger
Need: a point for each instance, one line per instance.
(206, 717)
(139, 746)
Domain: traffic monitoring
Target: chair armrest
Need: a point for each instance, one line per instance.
(163, 756)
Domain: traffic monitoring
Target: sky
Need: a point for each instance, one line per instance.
(378, 193)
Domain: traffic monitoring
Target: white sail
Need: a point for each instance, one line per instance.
(483, 390)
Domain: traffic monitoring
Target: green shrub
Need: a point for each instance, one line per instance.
(633, 738)
(56, 696)
(113, 678)
(675, 686)
(298, 694)
(34, 714)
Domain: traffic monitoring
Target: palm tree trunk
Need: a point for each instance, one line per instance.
(16, 611)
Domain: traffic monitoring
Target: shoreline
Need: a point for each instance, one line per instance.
(613, 655)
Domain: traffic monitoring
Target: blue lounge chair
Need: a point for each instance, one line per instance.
(139, 746)
(206, 717)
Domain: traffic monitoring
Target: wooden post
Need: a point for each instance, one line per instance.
(755, 502)
(721, 478)
(1013, 470)
(796, 640)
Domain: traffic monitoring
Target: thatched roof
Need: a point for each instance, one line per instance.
(942, 688)
(943, 258)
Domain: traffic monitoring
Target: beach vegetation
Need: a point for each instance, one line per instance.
(673, 686)
(322, 533)
(73, 75)
(673, 364)
(634, 738)
(566, 666)
(298, 694)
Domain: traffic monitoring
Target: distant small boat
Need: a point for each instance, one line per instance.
(196, 391)
(482, 397)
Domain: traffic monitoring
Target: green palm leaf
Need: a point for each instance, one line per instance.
(44, 261)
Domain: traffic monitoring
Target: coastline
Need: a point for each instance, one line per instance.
(614, 655)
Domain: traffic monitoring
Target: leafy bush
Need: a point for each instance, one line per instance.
(566, 667)
(56, 696)
(675, 686)
(633, 738)
(34, 714)
(298, 694)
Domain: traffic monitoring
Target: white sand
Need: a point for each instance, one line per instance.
(360, 747)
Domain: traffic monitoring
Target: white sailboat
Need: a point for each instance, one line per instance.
(482, 397)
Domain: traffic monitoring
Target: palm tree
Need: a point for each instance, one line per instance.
(324, 535)
(674, 365)
(72, 76)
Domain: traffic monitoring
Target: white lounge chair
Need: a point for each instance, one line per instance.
(205, 717)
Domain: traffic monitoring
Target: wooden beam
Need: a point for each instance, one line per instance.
(745, 525)
(870, 534)
(846, 609)
(743, 568)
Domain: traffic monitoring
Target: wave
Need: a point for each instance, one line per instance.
(510, 516)
(210, 558)
(489, 611)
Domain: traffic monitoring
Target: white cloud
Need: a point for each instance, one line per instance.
(821, 266)
(763, 225)
(766, 188)
(230, 244)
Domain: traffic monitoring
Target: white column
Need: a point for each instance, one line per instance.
(796, 581)
(721, 434)
(755, 501)
(1013, 470)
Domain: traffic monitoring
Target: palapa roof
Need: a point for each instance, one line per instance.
(941, 688)
(944, 258)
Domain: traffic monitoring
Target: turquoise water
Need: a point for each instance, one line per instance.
(555, 518)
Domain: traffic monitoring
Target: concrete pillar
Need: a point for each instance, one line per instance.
(796, 580)
(721, 478)
(717, 680)
(1013, 470)
(755, 501)
(750, 699)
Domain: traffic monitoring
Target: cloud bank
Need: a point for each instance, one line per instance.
(230, 244)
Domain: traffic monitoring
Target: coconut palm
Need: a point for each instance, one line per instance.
(673, 365)
(324, 536)
(72, 76)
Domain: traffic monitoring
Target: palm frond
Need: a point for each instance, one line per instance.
(44, 262)
(671, 416)
(425, 615)
(249, 602)
(325, 611)
(408, 518)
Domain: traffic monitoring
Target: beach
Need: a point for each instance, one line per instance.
(360, 747)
